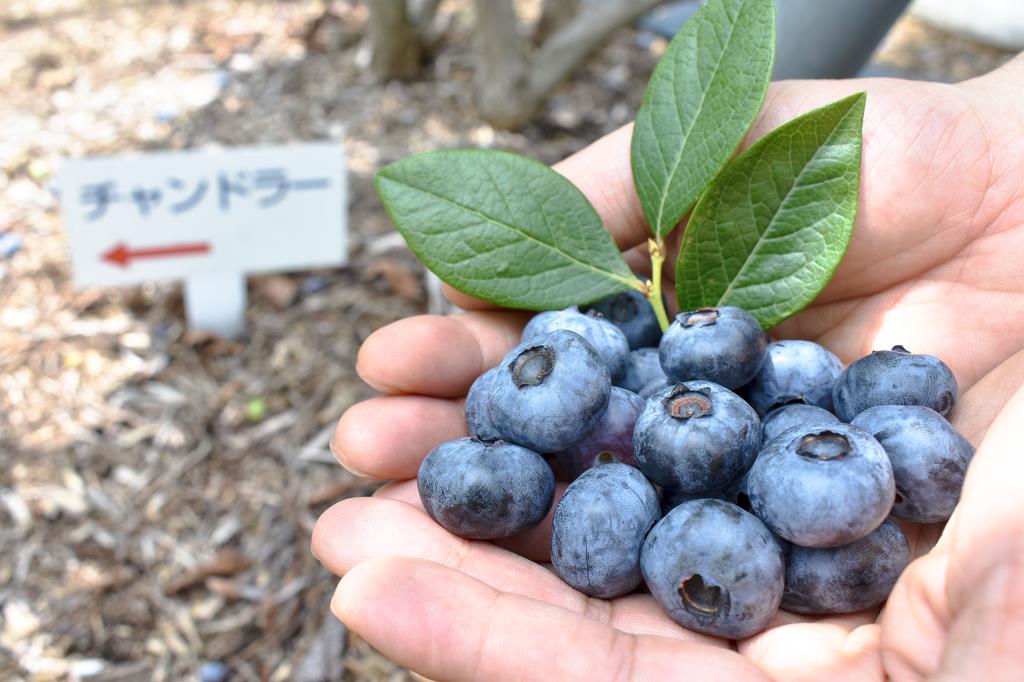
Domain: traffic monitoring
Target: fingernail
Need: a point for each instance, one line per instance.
(340, 456)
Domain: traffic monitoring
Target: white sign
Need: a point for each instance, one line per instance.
(207, 217)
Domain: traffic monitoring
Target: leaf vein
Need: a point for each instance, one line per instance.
(686, 135)
(781, 207)
(516, 230)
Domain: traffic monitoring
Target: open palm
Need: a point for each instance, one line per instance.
(934, 264)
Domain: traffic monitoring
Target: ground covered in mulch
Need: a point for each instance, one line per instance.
(157, 486)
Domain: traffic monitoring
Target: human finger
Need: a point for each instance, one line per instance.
(443, 623)
(361, 529)
(534, 544)
(437, 355)
(387, 437)
(841, 648)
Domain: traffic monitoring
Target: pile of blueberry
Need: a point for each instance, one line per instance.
(732, 474)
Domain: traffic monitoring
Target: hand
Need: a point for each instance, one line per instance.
(934, 264)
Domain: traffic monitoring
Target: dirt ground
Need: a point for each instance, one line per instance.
(158, 487)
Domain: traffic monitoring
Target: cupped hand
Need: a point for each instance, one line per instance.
(935, 264)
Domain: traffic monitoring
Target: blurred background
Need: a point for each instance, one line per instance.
(158, 486)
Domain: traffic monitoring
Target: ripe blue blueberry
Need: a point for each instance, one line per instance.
(653, 387)
(598, 528)
(894, 377)
(929, 458)
(478, 407)
(714, 568)
(725, 345)
(794, 370)
(670, 499)
(642, 368)
(607, 339)
(696, 437)
(611, 440)
(847, 578)
(549, 392)
(630, 312)
(737, 493)
(786, 417)
(822, 486)
(485, 490)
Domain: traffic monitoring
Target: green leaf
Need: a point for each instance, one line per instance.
(769, 232)
(702, 98)
(503, 228)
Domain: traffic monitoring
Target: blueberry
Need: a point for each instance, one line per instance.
(786, 417)
(929, 458)
(822, 486)
(610, 441)
(714, 568)
(549, 392)
(696, 437)
(478, 407)
(598, 527)
(735, 492)
(794, 370)
(724, 345)
(653, 387)
(671, 498)
(738, 493)
(847, 578)
(485, 489)
(632, 313)
(607, 339)
(894, 377)
(213, 671)
(642, 368)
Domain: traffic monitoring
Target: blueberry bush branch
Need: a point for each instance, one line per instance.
(653, 293)
(511, 80)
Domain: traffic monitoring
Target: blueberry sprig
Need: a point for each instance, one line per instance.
(731, 474)
(767, 227)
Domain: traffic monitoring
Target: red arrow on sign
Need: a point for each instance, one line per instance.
(121, 255)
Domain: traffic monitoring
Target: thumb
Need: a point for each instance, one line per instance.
(958, 613)
(999, 84)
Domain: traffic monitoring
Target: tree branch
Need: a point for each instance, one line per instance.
(422, 14)
(422, 11)
(501, 76)
(565, 50)
(394, 44)
(554, 15)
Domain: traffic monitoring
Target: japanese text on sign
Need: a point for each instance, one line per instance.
(265, 186)
(175, 215)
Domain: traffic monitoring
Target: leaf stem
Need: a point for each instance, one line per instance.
(653, 292)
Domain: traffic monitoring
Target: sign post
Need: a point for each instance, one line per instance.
(207, 218)
(216, 304)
